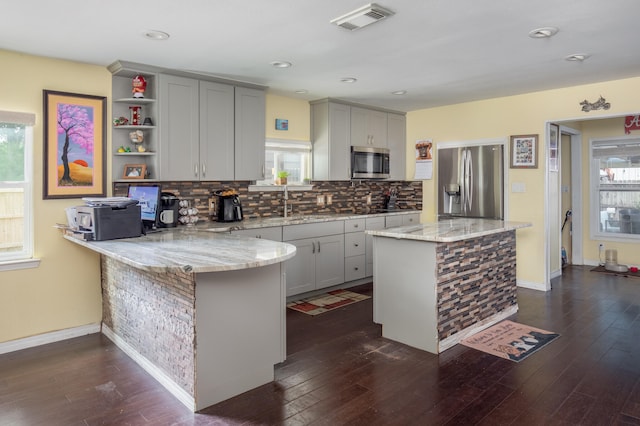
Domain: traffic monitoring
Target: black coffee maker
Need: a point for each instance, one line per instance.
(169, 210)
(228, 206)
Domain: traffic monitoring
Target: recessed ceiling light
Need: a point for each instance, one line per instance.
(348, 80)
(576, 57)
(156, 35)
(399, 92)
(544, 32)
(281, 64)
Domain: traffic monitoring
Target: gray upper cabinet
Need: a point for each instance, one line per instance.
(217, 131)
(179, 151)
(368, 127)
(331, 134)
(249, 133)
(336, 126)
(210, 130)
(397, 143)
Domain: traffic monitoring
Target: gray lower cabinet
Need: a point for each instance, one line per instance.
(354, 249)
(371, 224)
(319, 259)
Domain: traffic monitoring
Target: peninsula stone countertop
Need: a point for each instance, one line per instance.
(191, 250)
(449, 230)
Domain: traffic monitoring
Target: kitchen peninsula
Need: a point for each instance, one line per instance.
(202, 312)
(437, 283)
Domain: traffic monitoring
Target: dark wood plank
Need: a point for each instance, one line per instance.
(339, 371)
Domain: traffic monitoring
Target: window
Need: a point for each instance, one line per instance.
(293, 157)
(616, 190)
(16, 139)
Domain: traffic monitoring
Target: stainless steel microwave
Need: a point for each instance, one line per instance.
(368, 162)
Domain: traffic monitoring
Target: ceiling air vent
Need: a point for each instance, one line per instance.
(362, 17)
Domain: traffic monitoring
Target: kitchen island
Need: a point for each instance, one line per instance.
(436, 283)
(202, 312)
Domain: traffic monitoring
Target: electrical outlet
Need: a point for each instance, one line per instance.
(320, 200)
(329, 199)
(369, 199)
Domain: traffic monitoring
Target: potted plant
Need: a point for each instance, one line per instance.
(282, 177)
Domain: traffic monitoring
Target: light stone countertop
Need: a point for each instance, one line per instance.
(296, 219)
(449, 230)
(208, 247)
(191, 250)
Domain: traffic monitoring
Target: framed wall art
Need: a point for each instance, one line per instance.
(75, 137)
(524, 152)
(134, 171)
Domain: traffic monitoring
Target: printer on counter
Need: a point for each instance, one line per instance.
(109, 218)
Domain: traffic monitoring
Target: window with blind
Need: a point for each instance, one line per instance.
(16, 216)
(615, 206)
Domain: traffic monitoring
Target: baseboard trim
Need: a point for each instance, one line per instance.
(532, 285)
(51, 337)
(166, 381)
(488, 322)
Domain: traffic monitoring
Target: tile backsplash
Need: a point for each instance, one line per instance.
(345, 197)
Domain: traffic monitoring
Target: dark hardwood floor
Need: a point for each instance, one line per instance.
(341, 371)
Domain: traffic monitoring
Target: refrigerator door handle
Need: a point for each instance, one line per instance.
(463, 184)
(470, 186)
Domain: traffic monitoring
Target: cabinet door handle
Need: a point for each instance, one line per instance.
(195, 170)
(355, 244)
(356, 268)
(355, 226)
(313, 244)
(318, 246)
(204, 170)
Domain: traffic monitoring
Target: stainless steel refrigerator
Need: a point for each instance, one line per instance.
(471, 182)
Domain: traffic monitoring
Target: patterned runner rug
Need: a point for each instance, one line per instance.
(510, 340)
(326, 302)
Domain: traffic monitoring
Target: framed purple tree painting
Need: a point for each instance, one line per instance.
(74, 145)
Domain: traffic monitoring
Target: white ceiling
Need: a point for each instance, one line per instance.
(440, 51)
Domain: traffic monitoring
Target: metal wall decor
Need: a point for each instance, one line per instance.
(601, 103)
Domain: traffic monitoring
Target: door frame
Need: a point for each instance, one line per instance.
(577, 217)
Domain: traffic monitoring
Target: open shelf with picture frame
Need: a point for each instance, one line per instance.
(133, 143)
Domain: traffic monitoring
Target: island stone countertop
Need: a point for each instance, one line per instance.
(191, 250)
(449, 230)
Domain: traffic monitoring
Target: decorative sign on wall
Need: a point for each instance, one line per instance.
(282, 124)
(601, 103)
(631, 122)
(424, 159)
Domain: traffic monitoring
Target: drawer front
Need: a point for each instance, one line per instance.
(354, 268)
(411, 219)
(312, 230)
(374, 223)
(273, 233)
(354, 244)
(393, 221)
(354, 225)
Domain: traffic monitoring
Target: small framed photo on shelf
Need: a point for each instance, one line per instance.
(134, 171)
(524, 152)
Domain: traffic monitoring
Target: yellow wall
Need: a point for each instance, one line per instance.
(516, 115)
(296, 111)
(64, 291)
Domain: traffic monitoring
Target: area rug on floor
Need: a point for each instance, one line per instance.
(510, 340)
(326, 302)
(622, 274)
